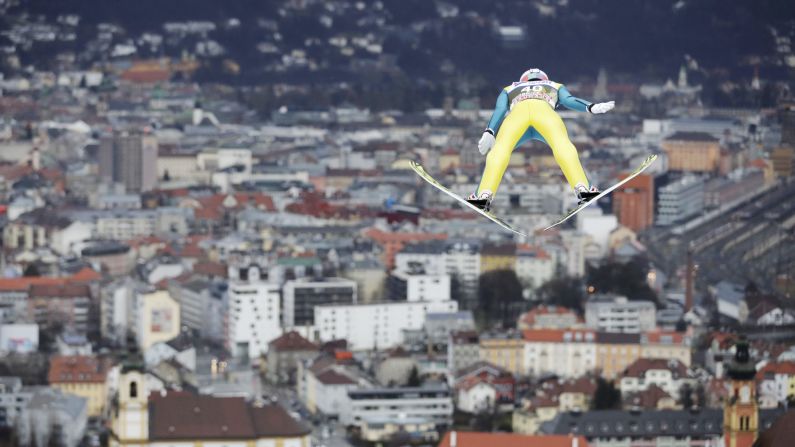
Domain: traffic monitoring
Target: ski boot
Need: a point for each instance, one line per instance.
(482, 201)
(585, 194)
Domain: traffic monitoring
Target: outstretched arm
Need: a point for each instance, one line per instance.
(487, 139)
(499, 112)
(569, 101)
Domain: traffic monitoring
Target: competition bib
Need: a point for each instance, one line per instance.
(546, 91)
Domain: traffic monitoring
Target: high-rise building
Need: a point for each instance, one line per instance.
(679, 200)
(129, 159)
(634, 202)
(302, 295)
(254, 309)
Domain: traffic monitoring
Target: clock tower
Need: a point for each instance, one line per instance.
(741, 412)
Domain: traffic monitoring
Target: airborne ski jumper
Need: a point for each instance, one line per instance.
(526, 111)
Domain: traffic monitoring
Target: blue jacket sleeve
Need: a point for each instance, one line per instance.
(499, 112)
(569, 101)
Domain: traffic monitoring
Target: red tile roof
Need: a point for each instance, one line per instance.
(478, 439)
(63, 290)
(559, 335)
(639, 367)
(24, 283)
(77, 369)
(783, 368)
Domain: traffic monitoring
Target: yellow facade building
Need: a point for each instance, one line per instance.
(505, 350)
(497, 257)
(692, 152)
(83, 376)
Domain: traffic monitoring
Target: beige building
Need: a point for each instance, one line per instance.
(692, 152)
(157, 318)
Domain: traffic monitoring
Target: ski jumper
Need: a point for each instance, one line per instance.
(526, 111)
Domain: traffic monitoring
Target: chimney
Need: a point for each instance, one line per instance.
(575, 441)
(453, 439)
(689, 282)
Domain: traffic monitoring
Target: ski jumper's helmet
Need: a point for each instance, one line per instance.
(533, 73)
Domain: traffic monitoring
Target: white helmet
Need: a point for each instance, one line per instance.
(533, 73)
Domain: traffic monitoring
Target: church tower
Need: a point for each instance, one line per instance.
(130, 418)
(741, 412)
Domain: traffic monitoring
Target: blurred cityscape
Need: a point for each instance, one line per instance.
(211, 234)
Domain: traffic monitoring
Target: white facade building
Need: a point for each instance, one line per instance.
(679, 200)
(375, 325)
(21, 338)
(254, 309)
(670, 375)
(617, 314)
(566, 353)
(455, 258)
(430, 403)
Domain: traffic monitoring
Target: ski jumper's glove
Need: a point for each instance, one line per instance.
(601, 107)
(486, 142)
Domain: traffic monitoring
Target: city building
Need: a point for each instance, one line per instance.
(565, 352)
(463, 349)
(549, 317)
(616, 351)
(129, 159)
(776, 383)
(52, 305)
(254, 312)
(495, 256)
(375, 325)
(783, 159)
(433, 404)
(285, 353)
(155, 318)
(417, 286)
(534, 266)
(679, 200)
(52, 417)
(19, 338)
(13, 399)
(669, 375)
(301, 296)
(692, 152)
(617, 314)
(633, 203)
(483, 387)
(112, 257)
(84, 376)
(504, 349)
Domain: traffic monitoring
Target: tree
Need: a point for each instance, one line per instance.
(686, 396)
(500, 296)
(606, 397)
(627, 279)
(414, 377)
(31, 270)
(566, 291)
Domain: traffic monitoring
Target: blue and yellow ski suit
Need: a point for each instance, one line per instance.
(526, 111)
